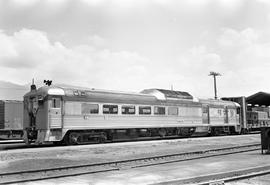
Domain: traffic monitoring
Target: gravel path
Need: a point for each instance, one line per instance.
(34, 158)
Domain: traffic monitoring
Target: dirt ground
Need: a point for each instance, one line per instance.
(35, 158)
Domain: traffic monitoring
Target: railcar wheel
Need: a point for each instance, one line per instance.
(102, 138)
(214, 132)
(73, 138)
(27, 142)
(162, 132)
(185, 132)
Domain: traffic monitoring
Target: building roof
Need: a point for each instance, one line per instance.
(259, 98)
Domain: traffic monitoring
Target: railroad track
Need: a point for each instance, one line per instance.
(66, 171)
(221, 178)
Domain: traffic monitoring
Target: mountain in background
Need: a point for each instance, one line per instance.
(11, 91)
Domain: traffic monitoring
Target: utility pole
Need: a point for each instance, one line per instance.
(214, 74)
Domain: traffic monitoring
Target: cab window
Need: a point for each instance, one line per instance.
(56, 103)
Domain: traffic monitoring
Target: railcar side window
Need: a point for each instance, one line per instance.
(159, 110)
(172, 110)
(110, 109)
(238, 110)
(128, 109)
(232, 113)
(55, 103)
(144, 110)
(73, 108)
(205, 109)
(88, 108)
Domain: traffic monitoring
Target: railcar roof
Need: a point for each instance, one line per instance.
(11, 101)
(46, 90)
(218, 102)
(80, 94)
(164, 94)
(147, 96)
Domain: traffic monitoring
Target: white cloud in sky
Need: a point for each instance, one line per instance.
(247, 59)
(31, 53)
(23, 3)
(137, 44)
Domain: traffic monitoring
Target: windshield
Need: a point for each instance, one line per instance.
(32, 105)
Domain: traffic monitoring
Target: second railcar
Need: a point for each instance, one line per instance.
(223, 117)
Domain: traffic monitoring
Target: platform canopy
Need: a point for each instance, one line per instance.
(259, 98)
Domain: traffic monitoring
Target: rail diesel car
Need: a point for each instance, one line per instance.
(77, 115)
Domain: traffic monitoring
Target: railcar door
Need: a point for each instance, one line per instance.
(205, 114)
(226, 117)
(55, 113)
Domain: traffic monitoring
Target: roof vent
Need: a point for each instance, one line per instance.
(163, 94)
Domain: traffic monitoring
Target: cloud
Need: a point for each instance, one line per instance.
(200, 59)
(26, 48)
(96, 40)
(244, 47)
(264, 2)
(24, 3)
(232, 38)
(32, 54)
(241, 56)
(247, 59)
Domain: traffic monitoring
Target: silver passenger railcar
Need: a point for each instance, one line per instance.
(75, 115)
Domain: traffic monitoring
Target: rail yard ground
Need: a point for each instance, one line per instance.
(260, 180)
(37, 158)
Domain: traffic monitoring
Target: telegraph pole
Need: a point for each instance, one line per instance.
(214, 74)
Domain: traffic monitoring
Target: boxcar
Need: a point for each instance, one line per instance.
(11, 119)
(76, 115)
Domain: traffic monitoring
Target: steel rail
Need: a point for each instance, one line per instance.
(240, 175)
(66, 171)
(221, 178)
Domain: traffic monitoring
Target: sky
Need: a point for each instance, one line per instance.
(131, 45)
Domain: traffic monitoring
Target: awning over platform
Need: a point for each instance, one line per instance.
(260, 98)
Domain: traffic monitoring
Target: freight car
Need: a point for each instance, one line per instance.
(76, 116)
(11, 119)
(257, 117)
(252, 117)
